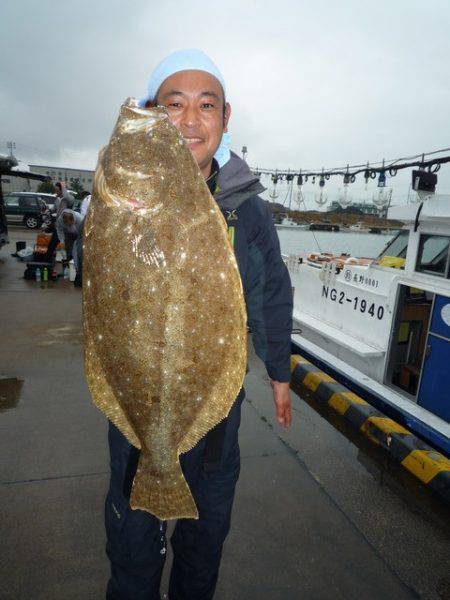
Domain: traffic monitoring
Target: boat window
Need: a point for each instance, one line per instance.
(433, 255)
(398, 245)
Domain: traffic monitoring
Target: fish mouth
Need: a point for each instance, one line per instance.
(132, 106)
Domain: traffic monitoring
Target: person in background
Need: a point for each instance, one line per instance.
(85, 204)
(70, 228)
(63, 200)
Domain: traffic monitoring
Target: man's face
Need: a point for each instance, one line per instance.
(195, 103)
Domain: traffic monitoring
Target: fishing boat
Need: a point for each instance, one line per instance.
(358, 228)
(382, 327)
(323, 226)
(287, 223)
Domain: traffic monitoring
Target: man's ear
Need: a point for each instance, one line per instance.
(226, 116)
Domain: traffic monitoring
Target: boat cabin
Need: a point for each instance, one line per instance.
(384, 324)
(418, 362)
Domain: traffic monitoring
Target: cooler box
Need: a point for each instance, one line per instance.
(43, 239)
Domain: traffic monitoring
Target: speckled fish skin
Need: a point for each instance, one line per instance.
(164, 312)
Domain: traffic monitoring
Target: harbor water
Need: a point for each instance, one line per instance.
(368, 245)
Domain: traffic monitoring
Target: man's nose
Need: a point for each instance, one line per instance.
(190, 117)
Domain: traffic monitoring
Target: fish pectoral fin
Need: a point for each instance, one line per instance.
(164, 494)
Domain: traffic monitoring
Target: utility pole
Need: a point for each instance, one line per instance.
(11, 146)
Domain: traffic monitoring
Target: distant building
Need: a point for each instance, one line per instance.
(65, 174)
(357, 207)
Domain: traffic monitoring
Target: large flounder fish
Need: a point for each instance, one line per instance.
(164, 312)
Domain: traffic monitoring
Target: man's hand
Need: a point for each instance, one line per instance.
(282, 399)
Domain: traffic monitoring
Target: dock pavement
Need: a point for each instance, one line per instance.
(313, 517)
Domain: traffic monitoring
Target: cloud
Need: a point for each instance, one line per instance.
(311, 84)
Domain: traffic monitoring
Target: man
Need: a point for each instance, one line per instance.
(63, 200)
(70, 228)
(85, 204)
(191, 87)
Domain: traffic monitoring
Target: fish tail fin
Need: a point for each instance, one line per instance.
(164, 494)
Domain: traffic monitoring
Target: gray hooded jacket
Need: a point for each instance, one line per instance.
(266, 282)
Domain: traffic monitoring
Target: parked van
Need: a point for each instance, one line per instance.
(25, 208)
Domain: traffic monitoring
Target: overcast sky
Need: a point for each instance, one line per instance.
(312, 83)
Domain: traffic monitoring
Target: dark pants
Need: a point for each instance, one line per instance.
(79, 275)
(136, 539)
(54, 241)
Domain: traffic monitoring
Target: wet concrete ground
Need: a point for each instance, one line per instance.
(313, 517)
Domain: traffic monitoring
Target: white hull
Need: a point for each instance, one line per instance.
(351, 316)
(372, 386)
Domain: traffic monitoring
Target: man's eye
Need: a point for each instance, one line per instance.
(174, 105)
(207, 105)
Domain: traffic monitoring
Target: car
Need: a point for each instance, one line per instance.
(3, 225)
(25, 208)
(49, 200)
